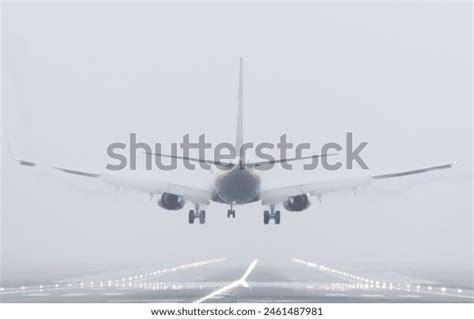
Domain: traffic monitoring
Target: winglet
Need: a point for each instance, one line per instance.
(9, 146)
(10, 153)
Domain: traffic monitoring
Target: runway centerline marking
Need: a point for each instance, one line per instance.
(112, 294)
(37, 295)
(240, 282)
(336, 295)
(373, 296)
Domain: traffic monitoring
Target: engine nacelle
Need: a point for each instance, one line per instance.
(297, 203)
(171, 201)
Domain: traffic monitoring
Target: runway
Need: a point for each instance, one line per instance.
(219, 280)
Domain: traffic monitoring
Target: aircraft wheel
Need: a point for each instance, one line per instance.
(191, 217)
(277, 217)
(202, 216)
(266, 217)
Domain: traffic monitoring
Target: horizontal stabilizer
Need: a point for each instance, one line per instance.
(285, 160)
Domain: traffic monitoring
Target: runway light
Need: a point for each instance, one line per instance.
(443, 289)
(429, 288)
(459, 290)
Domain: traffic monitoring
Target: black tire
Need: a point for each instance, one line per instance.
(277, 217)
(191, 217)
(202, 216)
(233, 213)
(266, 217)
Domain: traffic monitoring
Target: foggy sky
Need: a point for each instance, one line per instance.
(77, 77)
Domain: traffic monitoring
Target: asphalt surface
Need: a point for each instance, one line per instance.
(220, 281)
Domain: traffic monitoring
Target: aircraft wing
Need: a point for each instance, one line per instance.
(148, 185)
(277, 195)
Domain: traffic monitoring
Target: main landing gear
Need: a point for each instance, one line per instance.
(196, 213)
(231, 211)
(272, 214)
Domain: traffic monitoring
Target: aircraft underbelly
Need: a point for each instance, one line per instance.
(238, 187)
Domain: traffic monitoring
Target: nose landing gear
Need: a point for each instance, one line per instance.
(196, 213)
(272, 214)
(231, 211)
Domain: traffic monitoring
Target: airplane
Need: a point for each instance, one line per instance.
(238, 185)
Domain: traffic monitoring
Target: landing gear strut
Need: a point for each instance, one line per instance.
(196, 213)
(231, 211)
(271, 214)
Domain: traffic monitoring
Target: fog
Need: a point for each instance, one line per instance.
(78, 77)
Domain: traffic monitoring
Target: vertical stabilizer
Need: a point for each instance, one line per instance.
(239, 140)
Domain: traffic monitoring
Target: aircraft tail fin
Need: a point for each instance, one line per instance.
(239, 139)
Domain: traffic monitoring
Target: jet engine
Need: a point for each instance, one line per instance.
(171, 201)
(297, 203)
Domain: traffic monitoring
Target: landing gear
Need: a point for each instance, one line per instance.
(272, 214)
(202, 217)
(231, 211)
(196, 213)
(276, 217)
(266, 217)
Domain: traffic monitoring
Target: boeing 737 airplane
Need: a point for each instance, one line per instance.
(238, 185)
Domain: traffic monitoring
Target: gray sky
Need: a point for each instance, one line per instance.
(78, 77)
